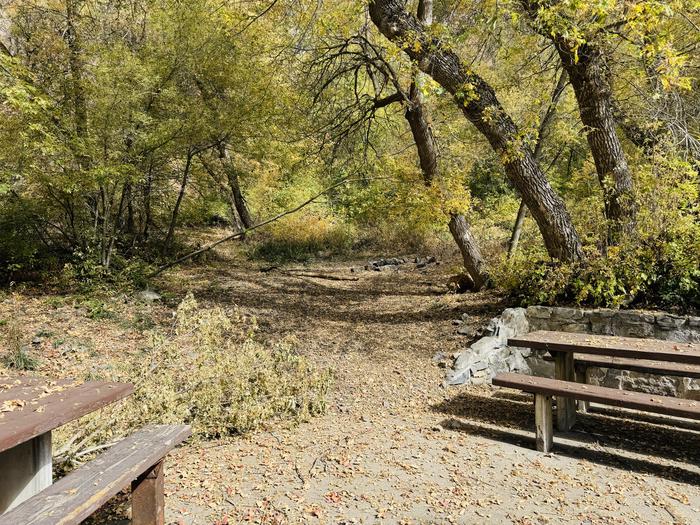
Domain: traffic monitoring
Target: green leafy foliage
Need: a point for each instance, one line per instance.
(144, 124)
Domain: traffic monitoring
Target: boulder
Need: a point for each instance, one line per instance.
(149, 296)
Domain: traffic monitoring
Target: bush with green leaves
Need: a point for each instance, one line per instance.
(660, 273)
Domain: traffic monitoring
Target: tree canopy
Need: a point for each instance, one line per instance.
(126, 123)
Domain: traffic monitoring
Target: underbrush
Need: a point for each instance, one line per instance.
(210, 372)
(301, 237)
(661, 273)
(17, 356)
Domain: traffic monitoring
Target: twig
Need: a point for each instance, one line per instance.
(254, 227)
(298, 472)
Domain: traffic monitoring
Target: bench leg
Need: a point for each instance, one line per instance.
(147, 498)
(25, 470)
(544, 433)
(582, 377)
(566, 407)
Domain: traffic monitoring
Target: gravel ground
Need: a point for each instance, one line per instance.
(396, 446)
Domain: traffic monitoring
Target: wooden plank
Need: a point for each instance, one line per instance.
(544, 433)
(26, 470)
(76, 496)
(631, 347)
(671, 406)
(645, 366)
(566, 407)
(45, 409)
(148, 497)
(28, 389)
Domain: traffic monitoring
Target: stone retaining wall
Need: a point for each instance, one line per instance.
(490, 355)
(630, 323)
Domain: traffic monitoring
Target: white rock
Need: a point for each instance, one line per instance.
(149, 296)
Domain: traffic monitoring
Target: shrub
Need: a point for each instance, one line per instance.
(656, 272)
(211, 373)
(300, 237)
(17, 356)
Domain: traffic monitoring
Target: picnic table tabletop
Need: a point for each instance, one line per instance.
(631, 347)
(31, 406)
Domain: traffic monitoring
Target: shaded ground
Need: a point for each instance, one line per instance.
(395, 445)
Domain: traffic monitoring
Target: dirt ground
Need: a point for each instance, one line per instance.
(396, 446)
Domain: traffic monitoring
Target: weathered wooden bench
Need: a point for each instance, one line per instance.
(137, 459)
(583, 362)
(611, 349)
(544, 388)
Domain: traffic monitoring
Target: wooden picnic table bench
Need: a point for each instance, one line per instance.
(30, 408)
(544, 388)
(635, 348)
(646, 355)
(137, 459)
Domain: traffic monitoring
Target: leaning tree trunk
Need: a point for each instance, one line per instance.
(459, 228)
(588, 72)
(589, 78)
(517, 229)
(473, 261)
(176, 210)
(235, 186)
(417, 118)
(481, 107)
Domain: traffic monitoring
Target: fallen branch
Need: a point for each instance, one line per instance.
(254, 227)
(319, 276)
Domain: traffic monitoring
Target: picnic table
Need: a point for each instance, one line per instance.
(563, 345)
(569, 386)
(30, 409)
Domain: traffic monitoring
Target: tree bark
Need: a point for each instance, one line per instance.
(588, 72)
(517, 229)
(234, 184)
(471, 254)
(542, 131)
(176, 210)
(479, 103)
(426, 145)
(422, 135)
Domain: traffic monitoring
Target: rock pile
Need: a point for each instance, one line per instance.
(393, 263)
(490, 354)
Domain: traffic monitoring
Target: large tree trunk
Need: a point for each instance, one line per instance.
(471, 254)
(478, 101)
(426, 145)
(589, 77)
(422, 135)
(588, 72)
